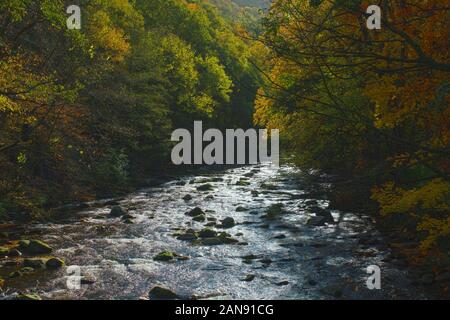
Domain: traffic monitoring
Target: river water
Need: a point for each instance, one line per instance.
(290, 259)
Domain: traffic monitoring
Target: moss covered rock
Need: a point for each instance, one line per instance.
(164, 256)
(34, 247)
(54, 263)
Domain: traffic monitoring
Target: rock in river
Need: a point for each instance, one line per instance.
(205, 187)
(34, 247)
(162, 293)
(187, 237)
(319, 212)
(117, 212)
(228, 223)
(164, 256)
(207, 233)
(195, 212)
(249, 278)
(54, 263)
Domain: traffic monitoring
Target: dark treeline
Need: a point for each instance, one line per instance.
(370, 107)
(86, 113)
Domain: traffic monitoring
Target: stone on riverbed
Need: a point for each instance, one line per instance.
(227, 223)
(162, 293)
(195, 212)
(54, 263)
(34, 247)
(187, 237)
(221, 238)
(274, 211)
(117, 211)
(128, 221)
(207, 233)
(316, 221)
(205, 187)
(320, 211)
(164, 256)
(249, 278)
(187, 197)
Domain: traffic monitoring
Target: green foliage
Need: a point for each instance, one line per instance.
(88, 112)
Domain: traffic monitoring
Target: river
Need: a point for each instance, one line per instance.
(278, 258)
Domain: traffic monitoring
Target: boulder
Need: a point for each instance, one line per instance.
(54, 263)
(319, 212)
(205, 187)
(164, 256)
(187, 197)
(34, 247)
(207, 233)
(117, 211)
(195, 212)
(162, 293)
(187, 237)
(228, 223)
(274, 211)
(215, 241)
(316, 221)
(241, 209)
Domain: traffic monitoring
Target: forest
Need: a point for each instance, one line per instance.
(87, 114)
